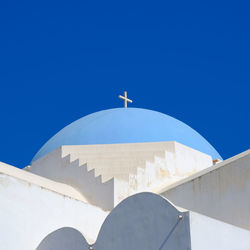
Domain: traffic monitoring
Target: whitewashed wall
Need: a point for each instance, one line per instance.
(210, 234)
(28, 213)
(107, 174)
(70, 171)
(221, 192)
(33, 217)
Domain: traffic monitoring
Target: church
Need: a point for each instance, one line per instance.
(126, 179)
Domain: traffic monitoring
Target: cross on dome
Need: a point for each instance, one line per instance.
(126, 100)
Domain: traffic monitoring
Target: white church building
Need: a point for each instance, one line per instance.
(126, 179)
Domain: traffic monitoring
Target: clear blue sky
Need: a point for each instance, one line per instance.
(61, 60)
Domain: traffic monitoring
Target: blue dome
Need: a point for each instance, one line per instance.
(127, 125)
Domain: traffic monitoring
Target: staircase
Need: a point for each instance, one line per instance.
(106, 174)
(77, 175)
(113, 164)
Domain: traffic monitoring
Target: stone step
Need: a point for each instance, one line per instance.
(141, 155)
(113, 148)
(93, 187)
(114, 160)
(123, 170)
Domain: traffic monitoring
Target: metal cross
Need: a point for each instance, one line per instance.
(125, 99)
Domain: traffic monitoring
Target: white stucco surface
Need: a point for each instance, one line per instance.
(54, 186)
(107, 174)
(30, 212)
(207, 234)
(221, 192)
(37, 217)
(147, 221)
(73, 172)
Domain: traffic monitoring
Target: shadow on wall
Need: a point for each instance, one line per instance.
(65, 238)
(144, 221)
